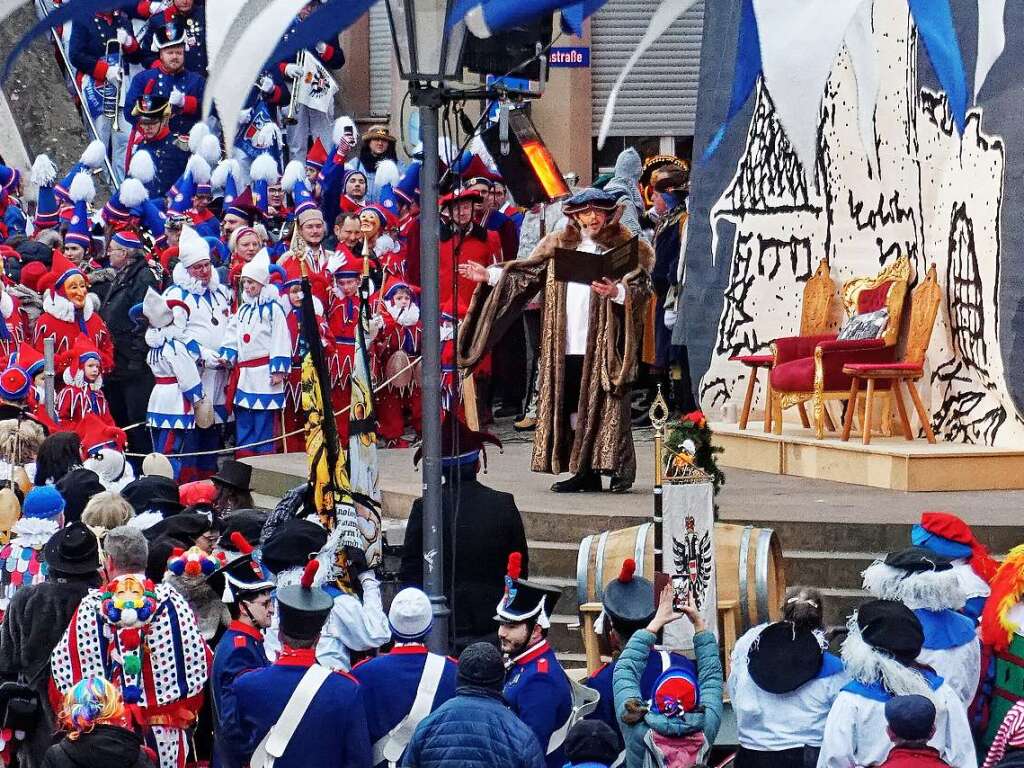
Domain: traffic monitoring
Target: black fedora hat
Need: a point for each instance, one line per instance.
(73, 550)
(234, 474)
(783, 658)
(153, 493)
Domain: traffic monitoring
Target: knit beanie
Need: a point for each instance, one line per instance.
(481, 665)
(43, 502)
(591, 741)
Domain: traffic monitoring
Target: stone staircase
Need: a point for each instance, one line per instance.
(825, 547)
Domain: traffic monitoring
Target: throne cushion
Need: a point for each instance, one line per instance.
(871, 299)
(754, 361)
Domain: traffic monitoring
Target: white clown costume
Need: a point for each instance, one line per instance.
(928, 585)
(144, 639)
(884, 639)
(177, 388)
(206, 322)
(258, 346)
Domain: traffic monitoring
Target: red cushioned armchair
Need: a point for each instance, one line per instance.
(810, 368)
(815, 317)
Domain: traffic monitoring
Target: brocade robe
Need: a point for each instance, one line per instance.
(602, 440)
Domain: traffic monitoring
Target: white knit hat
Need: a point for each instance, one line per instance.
(411, 615)
(192, 248)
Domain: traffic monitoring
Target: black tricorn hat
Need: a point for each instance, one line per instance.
(304, 607)
(73, 550)
(891, 627)
(153, 493)
(235, 474)
(783, 658)
(918, 560)
(629, 598)
(292, 544)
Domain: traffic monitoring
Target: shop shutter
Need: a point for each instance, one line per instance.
(380, 60)
(660, 96)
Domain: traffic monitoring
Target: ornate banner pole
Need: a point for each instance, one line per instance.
(659, 418)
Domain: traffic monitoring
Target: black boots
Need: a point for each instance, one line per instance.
(584, 482)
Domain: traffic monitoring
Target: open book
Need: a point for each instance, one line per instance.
(582, 267)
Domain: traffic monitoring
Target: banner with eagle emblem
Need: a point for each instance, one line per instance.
(688, 541)
(316, 87)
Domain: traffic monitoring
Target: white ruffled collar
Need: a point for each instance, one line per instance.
(62, 308)
(185, 281)
(267, 295)
(34, 532)
(78, 380)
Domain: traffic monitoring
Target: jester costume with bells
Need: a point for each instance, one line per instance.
(69, 311)
(144, 639)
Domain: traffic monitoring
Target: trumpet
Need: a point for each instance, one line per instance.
(289, 118)
(112, 94)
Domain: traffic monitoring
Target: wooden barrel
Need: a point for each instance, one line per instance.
(748, 559)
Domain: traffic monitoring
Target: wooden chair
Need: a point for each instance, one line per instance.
(819, 291)
(892, 377)
(810, 368)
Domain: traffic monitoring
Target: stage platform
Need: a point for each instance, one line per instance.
(888, 462)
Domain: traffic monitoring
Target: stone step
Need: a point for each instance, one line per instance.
(570, 526)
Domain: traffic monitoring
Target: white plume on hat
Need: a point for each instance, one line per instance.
(930, 590)
(199, 168)
(94, 154)
(387, 173)
(258, 268)
(141, 167)
(411, 614)
(264, 168)
(196, 134)
(156, 310)
(82, 187)
(225, 168)
(112, 467)
(132, 192)
(192, 248)
(209, 149)
(294, 172)
(44, 172)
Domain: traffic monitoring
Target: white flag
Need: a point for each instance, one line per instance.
(688, 544)
(317, 87)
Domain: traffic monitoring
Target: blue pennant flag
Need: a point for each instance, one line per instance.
(744, 78)
(81, 11)
(487, 17)
(326, 22)
(934, 19)
(246, 137)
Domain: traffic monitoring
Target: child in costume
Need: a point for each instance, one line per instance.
(258, 346)
(291, 301)
(177, 399)
(83, 385)
(396, 346)
(342, 316)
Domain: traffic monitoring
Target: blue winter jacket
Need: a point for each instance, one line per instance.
(473, 730)
(626, 683)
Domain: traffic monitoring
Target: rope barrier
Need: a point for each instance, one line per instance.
(224, 451)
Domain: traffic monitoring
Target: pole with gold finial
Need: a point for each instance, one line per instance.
(659, 418)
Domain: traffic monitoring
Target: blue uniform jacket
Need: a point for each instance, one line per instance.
(389, 686)
(170, 156)
(88, 43)
(189, 83)
(602, 683)
(240, 650)
(331, 734)
(537, 690)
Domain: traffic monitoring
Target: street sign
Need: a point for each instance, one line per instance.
(571, 57)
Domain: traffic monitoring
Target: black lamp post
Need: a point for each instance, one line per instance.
(429, 54)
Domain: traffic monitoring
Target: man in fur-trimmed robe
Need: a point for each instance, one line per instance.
(589, 348)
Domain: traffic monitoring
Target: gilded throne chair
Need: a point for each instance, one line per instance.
(810, 368)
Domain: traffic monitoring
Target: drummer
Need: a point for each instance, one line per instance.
(628, 607)
(397, 346)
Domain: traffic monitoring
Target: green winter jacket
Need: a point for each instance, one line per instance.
(626, 685)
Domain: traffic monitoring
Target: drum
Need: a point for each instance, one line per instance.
(399, 366)
(749, 566)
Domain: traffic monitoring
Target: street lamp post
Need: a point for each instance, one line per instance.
(429, 53)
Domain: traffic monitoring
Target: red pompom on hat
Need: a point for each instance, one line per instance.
(628, 569)
(515, 565)
(197, 492)
(241, 543)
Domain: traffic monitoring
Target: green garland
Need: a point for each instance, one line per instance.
(693, 426)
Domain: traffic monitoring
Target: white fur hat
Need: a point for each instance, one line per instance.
(192, 248)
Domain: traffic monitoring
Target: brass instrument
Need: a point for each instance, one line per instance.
(112, 95)
(290, 118)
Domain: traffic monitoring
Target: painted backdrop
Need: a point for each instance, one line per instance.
(760, 224)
